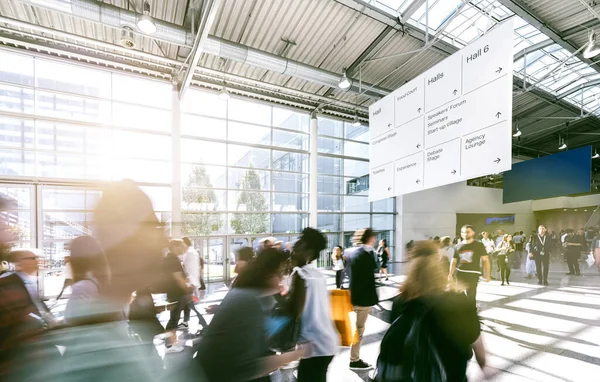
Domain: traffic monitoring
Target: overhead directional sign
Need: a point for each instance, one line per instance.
(451, 123)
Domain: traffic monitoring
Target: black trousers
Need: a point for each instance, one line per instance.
(174, 316)
(314, 369)
(504, 266)
(339, 277)
(469, 280)
(187, 304)
(573, 262)
(542, 263)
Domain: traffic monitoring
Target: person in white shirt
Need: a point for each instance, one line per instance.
(309, 295)
(488, 243)
(338, 266)
(446, 250)
(192, 265)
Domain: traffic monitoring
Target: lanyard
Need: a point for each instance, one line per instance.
(542, 241)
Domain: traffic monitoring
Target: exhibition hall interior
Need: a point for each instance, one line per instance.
(328, 190)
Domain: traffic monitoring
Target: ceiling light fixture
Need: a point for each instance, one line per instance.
(562, 144)
(355, 120)
(596, 155)
(517, 133)
(344, 82)
(145, 22)
(224, 94)
(127, 40)
(591, 50)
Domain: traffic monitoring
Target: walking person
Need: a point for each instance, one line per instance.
(466, 262)
(440, 320)
(518, 239)
(193, 271)
(178, 288)
(91, 276)
(234, 347)
(338, 266)
(383, 253)
(505, 251)
(574, 246)
(362, 288)
(539, 249)
(446, 252)
(309, 291)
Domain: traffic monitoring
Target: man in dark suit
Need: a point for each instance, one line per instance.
(539, 248)
(363, 294)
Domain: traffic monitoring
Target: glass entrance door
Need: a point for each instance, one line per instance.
(216, 262)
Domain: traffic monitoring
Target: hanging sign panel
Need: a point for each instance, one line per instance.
(451, 123)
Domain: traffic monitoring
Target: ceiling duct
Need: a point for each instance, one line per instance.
(118, 18)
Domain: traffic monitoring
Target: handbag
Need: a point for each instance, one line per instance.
(282, 328)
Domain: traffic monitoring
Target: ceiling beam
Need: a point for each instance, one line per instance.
(533, 48)
(207, 18)
(522, 10)
(382, 39)
(572, 32)
(588, 84)
(386, 18)
(412, 8)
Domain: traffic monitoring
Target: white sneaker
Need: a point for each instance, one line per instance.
(177, 348)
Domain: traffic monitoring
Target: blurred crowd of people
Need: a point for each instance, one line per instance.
(278, 308)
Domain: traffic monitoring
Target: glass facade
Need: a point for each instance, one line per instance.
(243, 165)
(343, 206)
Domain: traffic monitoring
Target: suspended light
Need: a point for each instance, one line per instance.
(517, 133)
(563, 144)
(344, 82)
(356, 121)
(591, 50)
(145, 22)
(224, 94)
(596, 155)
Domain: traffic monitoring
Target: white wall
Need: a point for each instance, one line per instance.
(433, 212)
(566, 202)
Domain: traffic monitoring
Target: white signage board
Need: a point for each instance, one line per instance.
(451, 123)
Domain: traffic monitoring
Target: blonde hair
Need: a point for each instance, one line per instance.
(426, 276)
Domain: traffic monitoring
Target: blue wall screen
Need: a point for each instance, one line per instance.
(562, 174)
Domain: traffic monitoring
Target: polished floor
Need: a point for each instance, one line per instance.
(531, 332)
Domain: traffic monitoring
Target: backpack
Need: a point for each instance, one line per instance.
(408, 352)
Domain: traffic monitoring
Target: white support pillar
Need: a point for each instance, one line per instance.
(313, 177)
(176, 163)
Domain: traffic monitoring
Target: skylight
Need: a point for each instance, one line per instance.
(552, 69)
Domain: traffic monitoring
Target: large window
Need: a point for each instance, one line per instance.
(243, 165)
(72, 122)
(343, 206)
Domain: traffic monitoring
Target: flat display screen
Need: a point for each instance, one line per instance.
(561, 174)
(500, 220)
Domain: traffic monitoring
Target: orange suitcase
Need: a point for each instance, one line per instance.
(341, 306)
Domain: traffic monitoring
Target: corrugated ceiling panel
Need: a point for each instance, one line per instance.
(326, 34)
(561, 14)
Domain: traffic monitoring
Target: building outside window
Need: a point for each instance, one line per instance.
(244, 164)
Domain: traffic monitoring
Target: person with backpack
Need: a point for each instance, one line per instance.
(309, 292)
(434, 330)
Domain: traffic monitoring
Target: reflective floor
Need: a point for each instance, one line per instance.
(532, 333)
